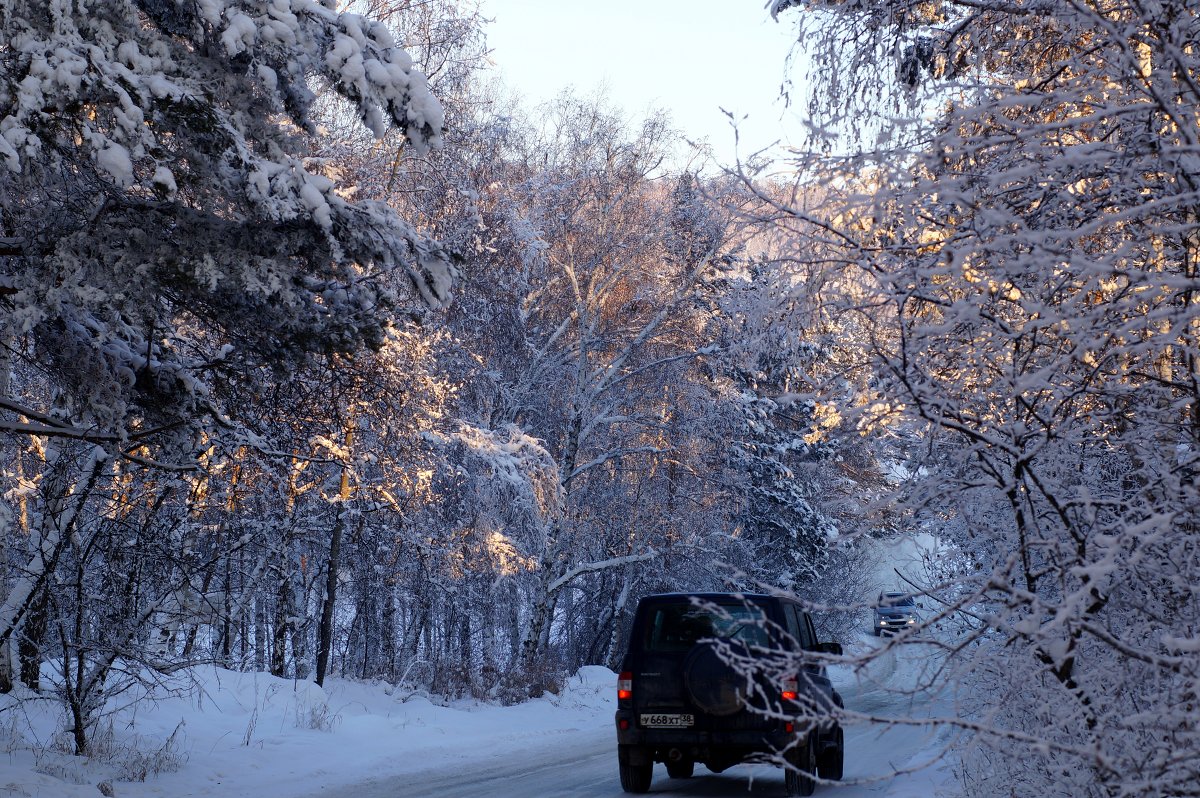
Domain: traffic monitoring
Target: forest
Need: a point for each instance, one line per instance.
(320, 354)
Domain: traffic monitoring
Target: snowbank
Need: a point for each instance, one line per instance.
(221, 733)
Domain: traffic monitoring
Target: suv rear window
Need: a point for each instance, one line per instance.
(676, 627)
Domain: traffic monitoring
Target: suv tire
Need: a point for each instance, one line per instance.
(802, 765)
(636, 778)
(830, 765)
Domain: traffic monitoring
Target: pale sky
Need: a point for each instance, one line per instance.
(690, 58)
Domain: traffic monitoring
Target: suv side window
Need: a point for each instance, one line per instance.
(809, 630)
(799, 627)
(793, 624)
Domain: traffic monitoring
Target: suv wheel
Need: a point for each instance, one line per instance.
(682, 769)
(636, 778)
(830, 764)
(802, 764)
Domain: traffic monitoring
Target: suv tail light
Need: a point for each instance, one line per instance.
(791, 688)
(625, 685)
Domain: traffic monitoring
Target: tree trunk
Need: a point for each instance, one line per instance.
(465, 655)
(388, 635)
(412, 635)
(63, 500)
(227, 624)
(325, 631)
(31, 641)
(283, 621)
(514, 623)
(260, 635)
(210, 574)
(299, 647)
(532, 648)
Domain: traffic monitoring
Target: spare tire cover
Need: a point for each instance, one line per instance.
(714, 685)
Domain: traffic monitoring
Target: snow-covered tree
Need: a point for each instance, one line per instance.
(800, 483)
(159, 220)
(164, 242)
(780, 440)
(1029, 262)
(582, 333)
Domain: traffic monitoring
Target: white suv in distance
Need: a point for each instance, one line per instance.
(895, 611)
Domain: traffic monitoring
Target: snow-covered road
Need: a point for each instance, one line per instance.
(585, 768)
(590, 771)
(585, 764)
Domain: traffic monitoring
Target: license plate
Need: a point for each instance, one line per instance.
(671, 721)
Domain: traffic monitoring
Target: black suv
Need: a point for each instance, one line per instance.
(723, 678)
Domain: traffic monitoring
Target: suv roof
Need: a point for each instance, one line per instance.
(716, 596)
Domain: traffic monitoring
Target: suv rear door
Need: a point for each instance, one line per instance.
(667, 666)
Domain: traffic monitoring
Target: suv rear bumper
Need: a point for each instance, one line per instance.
(696, 743)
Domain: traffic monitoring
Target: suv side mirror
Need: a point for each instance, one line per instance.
(830, 648)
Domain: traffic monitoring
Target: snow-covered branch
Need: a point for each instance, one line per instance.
(601, 565)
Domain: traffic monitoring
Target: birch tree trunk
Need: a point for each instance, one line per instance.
(63, 491)
(325, 630)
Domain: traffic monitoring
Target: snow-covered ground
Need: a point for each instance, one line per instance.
(255, 735)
